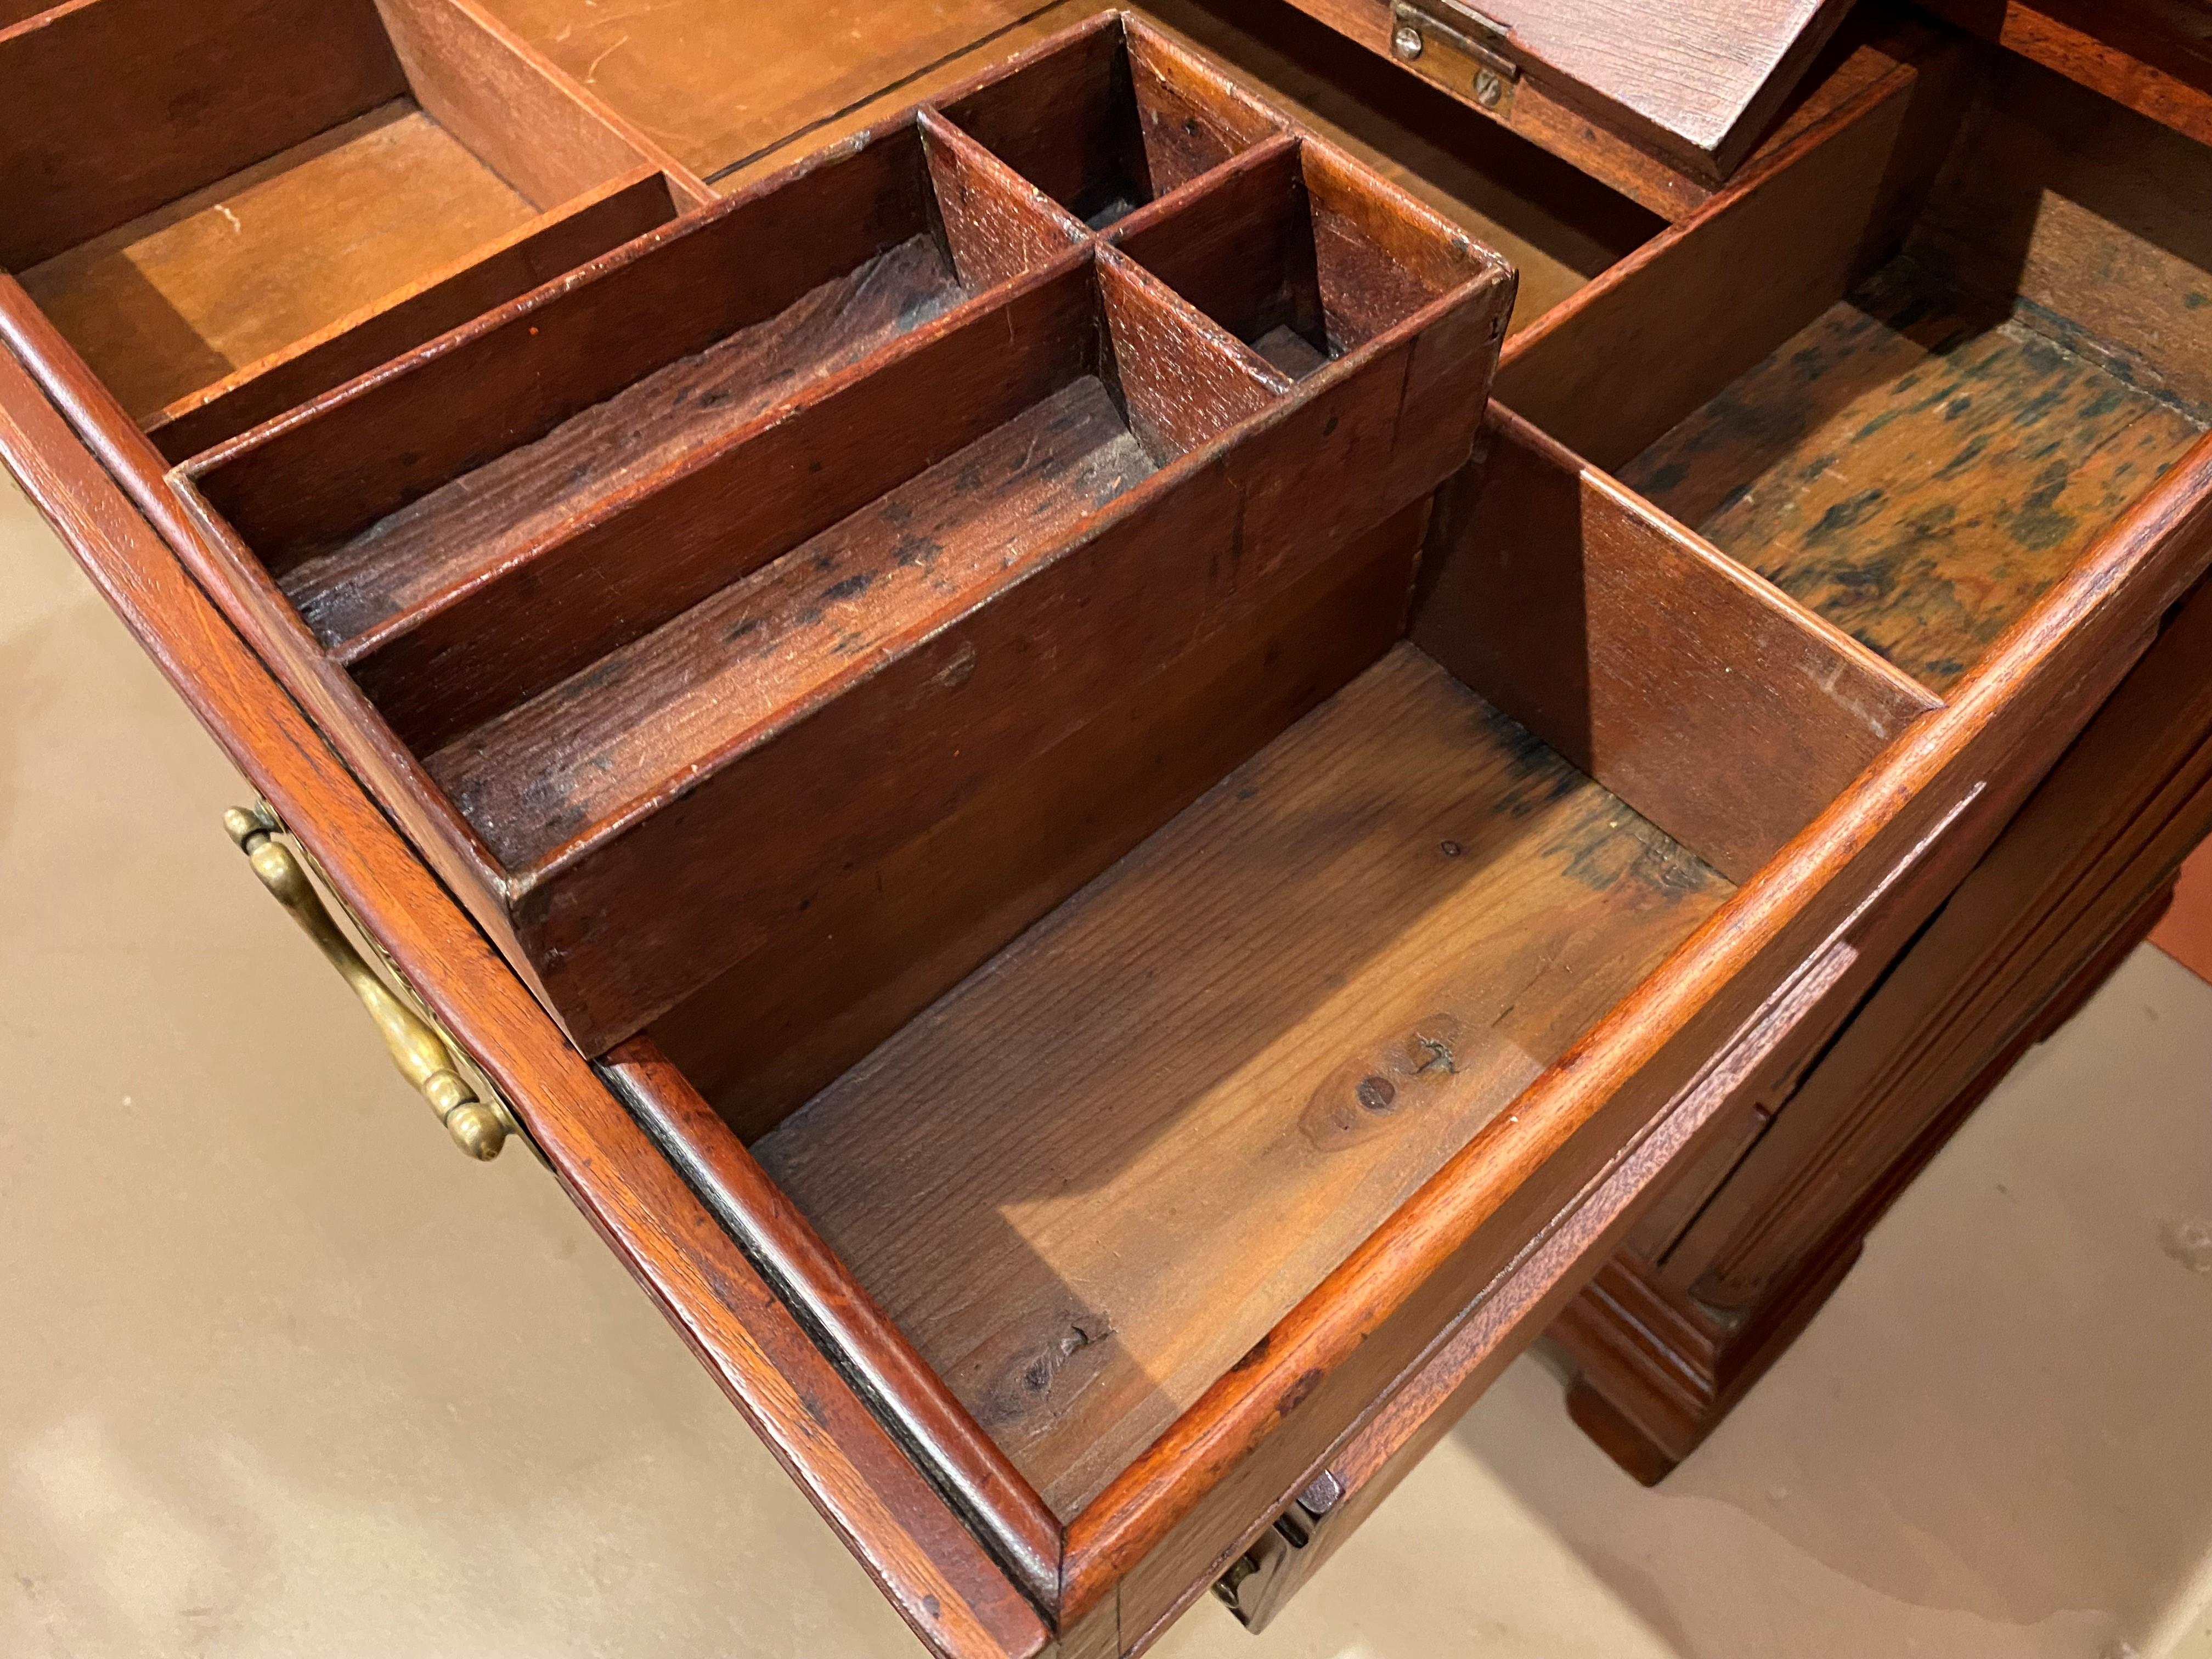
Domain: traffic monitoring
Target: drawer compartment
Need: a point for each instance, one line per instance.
(1111, 122)
(1072, 1119)
(1161, 1115)
(891, 469)
(230, 207)
(1977, 347)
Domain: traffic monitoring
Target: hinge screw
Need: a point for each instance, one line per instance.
(1405, 41)
(1488, 88)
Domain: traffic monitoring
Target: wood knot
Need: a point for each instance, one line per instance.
(1365, 1097)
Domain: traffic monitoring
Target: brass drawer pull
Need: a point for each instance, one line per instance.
(478, 1128)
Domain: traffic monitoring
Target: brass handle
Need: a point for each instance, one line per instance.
(478, 1128)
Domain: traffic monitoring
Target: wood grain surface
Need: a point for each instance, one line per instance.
(1695, 76)
(179, 299)
(1344, 959)
(117, 108)
(604, 741)
(883, 942)
(1638, 651)
(1918, 471)
(525, 120)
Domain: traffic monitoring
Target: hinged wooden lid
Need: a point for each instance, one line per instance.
(1695, 80)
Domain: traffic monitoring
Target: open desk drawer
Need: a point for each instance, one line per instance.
(1142, 947)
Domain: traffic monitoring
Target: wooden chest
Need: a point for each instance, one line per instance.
(1132, 734)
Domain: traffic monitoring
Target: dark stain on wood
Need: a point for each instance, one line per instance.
(1916, 467)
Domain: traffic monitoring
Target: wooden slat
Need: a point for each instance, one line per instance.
(2153, 56)
(537, 130)
(906, 1395)
(469, 610)
(761, 653)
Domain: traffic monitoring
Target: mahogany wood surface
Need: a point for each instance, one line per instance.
(883, 943)
(269, 195)
(2152, 56)
(1108, 125)
(343, 465)
(496, 587)
(955, 1597)
(590, 748)
(905, 1393)
(1619, 363)
(1343, 959)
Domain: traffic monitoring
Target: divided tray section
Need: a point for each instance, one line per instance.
(768, 540)
(572, 470)
(1972, 346)
(230, 206)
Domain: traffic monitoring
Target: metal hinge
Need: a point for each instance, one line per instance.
(1458, 46)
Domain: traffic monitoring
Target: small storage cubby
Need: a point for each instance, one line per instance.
(799, 523)
(1290, 251)
(229, 206)
(1166, 1111)
(1923, 460)
(1111, 124)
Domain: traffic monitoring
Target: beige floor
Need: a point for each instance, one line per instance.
(280, 1375)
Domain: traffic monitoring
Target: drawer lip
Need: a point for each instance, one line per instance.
(926, 1561)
